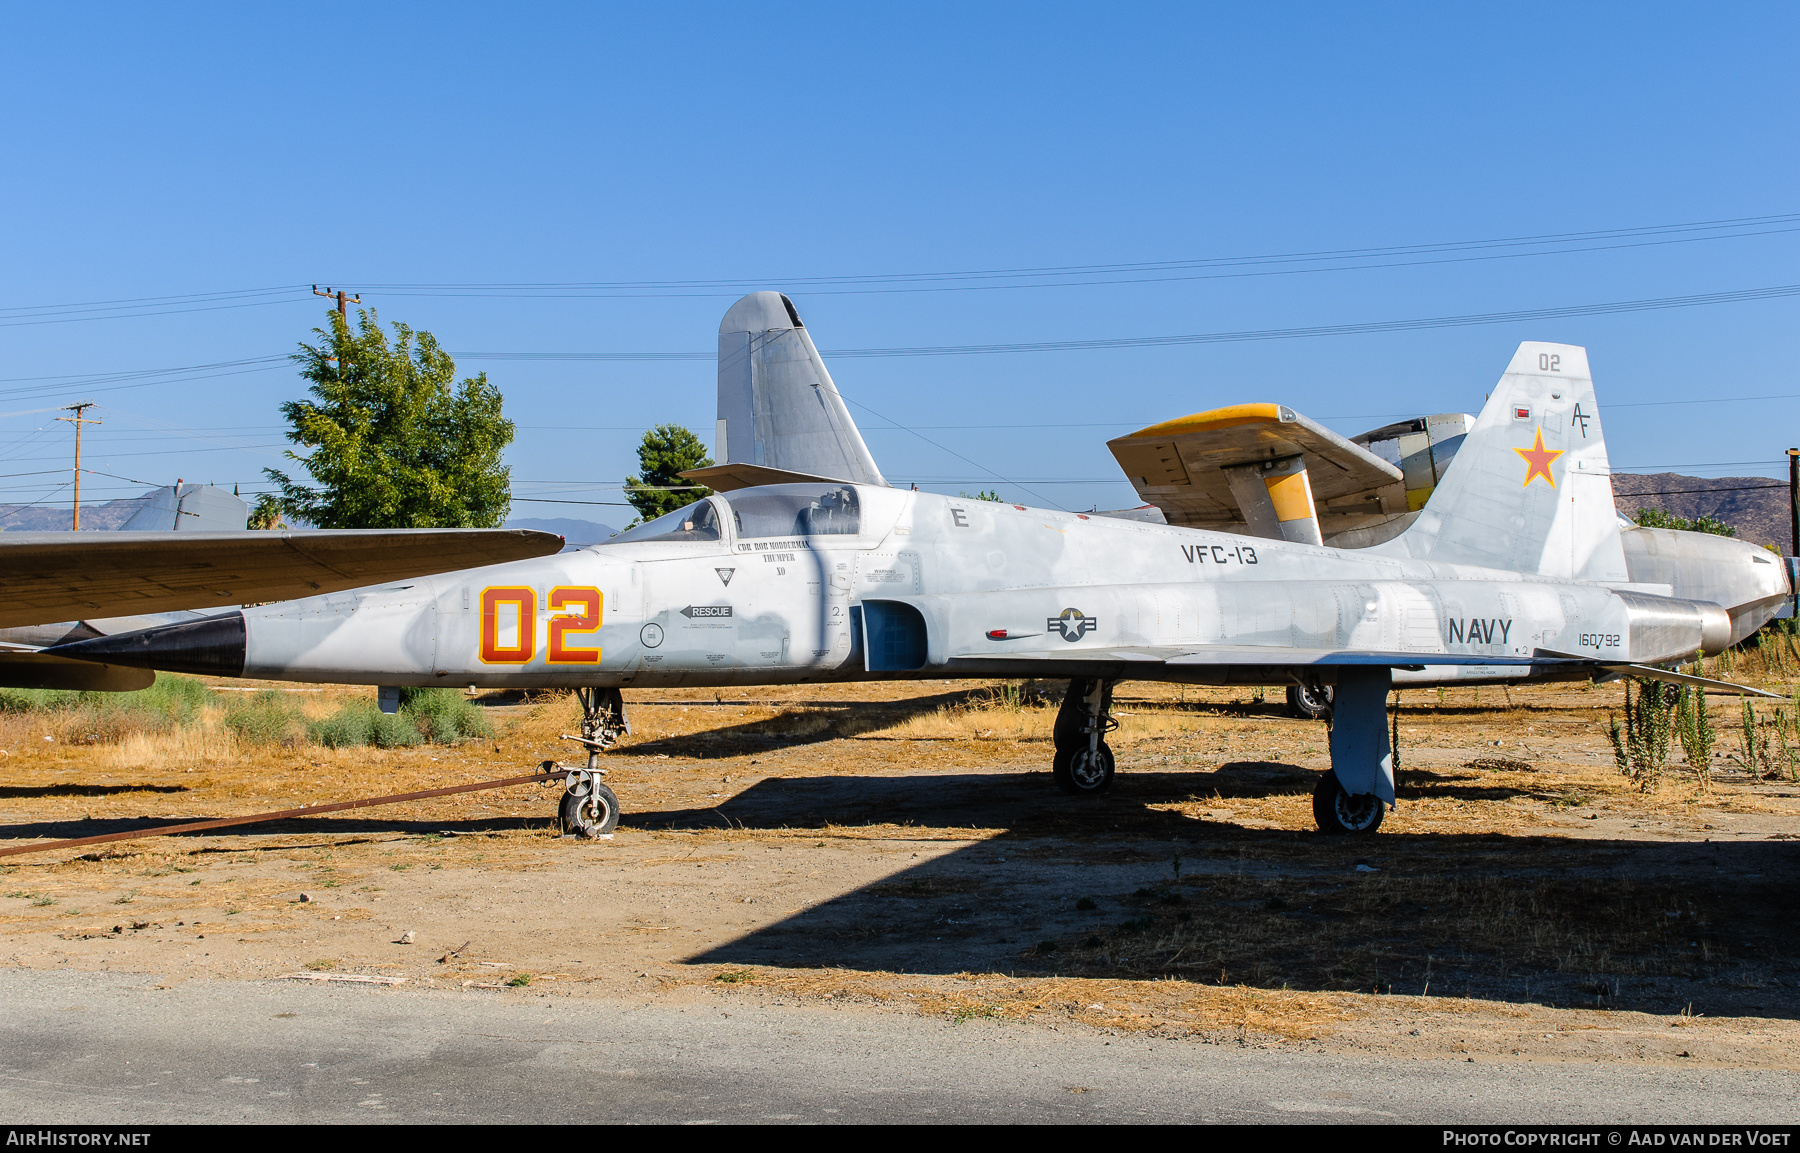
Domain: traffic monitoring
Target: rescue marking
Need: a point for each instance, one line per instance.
(709, 611)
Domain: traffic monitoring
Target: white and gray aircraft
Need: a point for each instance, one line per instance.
(807, 566)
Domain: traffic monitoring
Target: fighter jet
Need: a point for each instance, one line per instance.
(806, 566)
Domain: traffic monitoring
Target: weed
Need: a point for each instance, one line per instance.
(444, 716)
(43, 899)
(321, 965)
(126, 899)
(970, 1012)
(173, 702)
(1046, 947)
(360, 725)
(520, 980)
(1694, 727)
(733, 976)
(1642, 748)
(1086, 905)
(266, 718)
(400, 866)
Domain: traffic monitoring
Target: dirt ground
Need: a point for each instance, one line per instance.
(901, 847)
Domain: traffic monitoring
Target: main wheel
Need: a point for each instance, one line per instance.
(1083, 771)
(1339, 813)
(1309, 702)
(593, 815)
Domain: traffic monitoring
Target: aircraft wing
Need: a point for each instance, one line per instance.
(1204, 470)
(1266, 470)
(57, 576)
(1117, 660)
(1253, 655)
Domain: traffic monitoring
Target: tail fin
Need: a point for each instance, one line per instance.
(1531, 489)
(189, 508)
(777, 405)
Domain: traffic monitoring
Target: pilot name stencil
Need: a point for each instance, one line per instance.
(1218, 554)
(1476, 631)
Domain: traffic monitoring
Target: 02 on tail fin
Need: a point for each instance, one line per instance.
(1531, 489)
(779, 412)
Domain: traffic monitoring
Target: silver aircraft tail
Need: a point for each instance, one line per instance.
(1530, 489)
(779, 412)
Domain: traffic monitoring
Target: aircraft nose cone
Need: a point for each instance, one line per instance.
(212, 647)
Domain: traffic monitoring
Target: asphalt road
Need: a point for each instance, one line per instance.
(113, 1049)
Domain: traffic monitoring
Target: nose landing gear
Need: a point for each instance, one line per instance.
(589, 808)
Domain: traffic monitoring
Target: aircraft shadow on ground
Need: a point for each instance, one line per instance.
(832, 721)
(33, 792)
(1524, 918)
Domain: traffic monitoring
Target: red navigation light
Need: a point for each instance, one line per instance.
(996, 634)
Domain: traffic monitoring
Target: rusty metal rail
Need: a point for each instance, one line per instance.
(308, 811)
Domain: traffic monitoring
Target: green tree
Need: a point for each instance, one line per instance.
(396, 442)
(667, 451)
(984, 494)
(267, 513)
(1657, 518)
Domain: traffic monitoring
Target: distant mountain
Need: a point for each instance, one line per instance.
(1754, 505)
(575, 533)
(48, 518)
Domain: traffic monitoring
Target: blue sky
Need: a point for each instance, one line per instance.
(177, 151)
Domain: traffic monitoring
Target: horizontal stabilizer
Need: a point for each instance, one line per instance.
(731, 477)
(1650, 672)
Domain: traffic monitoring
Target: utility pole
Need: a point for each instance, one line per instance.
(1793, 455)
(78, 420)
(342, 300)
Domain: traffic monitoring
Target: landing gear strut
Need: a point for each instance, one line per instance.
(590, 809)
(1359, 786)
(1083, 764)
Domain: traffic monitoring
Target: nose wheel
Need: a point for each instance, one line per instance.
(589, 808)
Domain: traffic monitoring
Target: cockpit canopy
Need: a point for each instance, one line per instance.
(794, 510)
(777, 510)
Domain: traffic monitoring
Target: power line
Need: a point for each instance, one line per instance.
(1334, 260)
(1365, 328)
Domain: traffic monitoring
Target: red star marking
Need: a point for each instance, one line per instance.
(1537, 460)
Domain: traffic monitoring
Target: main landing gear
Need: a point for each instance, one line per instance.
(1352, 796)
(1084, 764)
(590, 809)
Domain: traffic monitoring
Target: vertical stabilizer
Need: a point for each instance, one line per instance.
(1530, 489)
(189, 508)
(777, 405)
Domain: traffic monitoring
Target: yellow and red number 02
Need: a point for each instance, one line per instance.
(517, 605)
